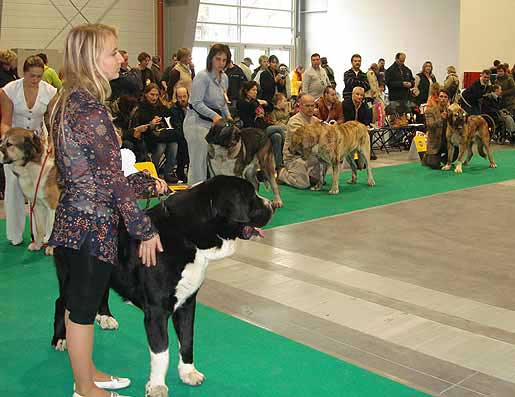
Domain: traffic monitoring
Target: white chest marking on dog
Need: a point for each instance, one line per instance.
(220, 161)
(194, 273)
(158, 368)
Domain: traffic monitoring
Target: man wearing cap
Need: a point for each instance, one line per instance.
(245, 66)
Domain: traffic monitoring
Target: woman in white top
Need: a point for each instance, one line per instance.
(23, 103)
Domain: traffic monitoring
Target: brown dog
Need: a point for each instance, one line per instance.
(25, 150)
(331, 144)
(464, 132)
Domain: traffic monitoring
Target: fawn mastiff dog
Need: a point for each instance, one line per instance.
(465, 131)
(331, 144)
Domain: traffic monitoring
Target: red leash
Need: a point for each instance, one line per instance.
(33, 204)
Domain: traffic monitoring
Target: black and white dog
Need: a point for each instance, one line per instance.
(196, 226)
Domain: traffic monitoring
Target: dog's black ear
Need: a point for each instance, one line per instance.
(31, 145)
(213, 133)
(36, 142)
(239, 214)
(226, 135)
(234, 208)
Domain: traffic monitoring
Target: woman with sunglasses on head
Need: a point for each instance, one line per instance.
(208, 105)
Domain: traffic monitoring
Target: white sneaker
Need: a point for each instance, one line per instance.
(16, 243)
(113, 394)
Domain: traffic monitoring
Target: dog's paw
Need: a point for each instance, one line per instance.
(334, 191)
(34, 246)
(352, 181)
(446, 167)
(49, 251)
(189, 374)
(316, 188)
(106, 322)
(458, 169)
(371, 182)
(156, 390)
(60, 345)
(493, 165)
(277, 203)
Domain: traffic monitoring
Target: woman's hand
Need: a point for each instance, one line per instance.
(155, 121)
(217, 118)
(161, 186)
(148, 249)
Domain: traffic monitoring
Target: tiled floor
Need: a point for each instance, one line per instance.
(419, 291)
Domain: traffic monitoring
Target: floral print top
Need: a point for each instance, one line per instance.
(95, 191)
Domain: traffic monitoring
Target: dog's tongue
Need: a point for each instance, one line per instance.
(250, 231)
(258, 232)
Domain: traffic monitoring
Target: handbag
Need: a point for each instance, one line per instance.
(202, 117)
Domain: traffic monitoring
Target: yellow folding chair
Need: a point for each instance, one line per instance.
(147, 166)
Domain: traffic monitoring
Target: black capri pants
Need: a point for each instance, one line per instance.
(87, 280)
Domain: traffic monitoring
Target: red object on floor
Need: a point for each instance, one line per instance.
(469, 78)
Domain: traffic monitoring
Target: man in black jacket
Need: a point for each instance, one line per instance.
(399, 79)
(469, 100)
(355, 108)
(178, 113)
(354, 77)
(236, 79)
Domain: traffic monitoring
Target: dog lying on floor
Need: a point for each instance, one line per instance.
(240, 153)
(195, 226)
(465, 131)
(26, 151)
(331, 144)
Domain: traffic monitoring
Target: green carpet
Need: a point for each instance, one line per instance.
(238, 359)
(393, 183)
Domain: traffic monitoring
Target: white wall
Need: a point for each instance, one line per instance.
(34, 24)
(424, 30)
(487, 31)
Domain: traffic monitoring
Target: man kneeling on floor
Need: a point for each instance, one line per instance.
(436, 125)
(297, 172)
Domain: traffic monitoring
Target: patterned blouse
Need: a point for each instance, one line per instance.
(95, 192)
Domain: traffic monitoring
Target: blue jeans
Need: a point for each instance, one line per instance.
(276, 135)
(169, 149)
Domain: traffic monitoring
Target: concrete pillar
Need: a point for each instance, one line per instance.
(180, 20)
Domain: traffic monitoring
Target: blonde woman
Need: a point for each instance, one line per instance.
(23, 104)
(96, 196)
(373, 91)
(452, 84)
